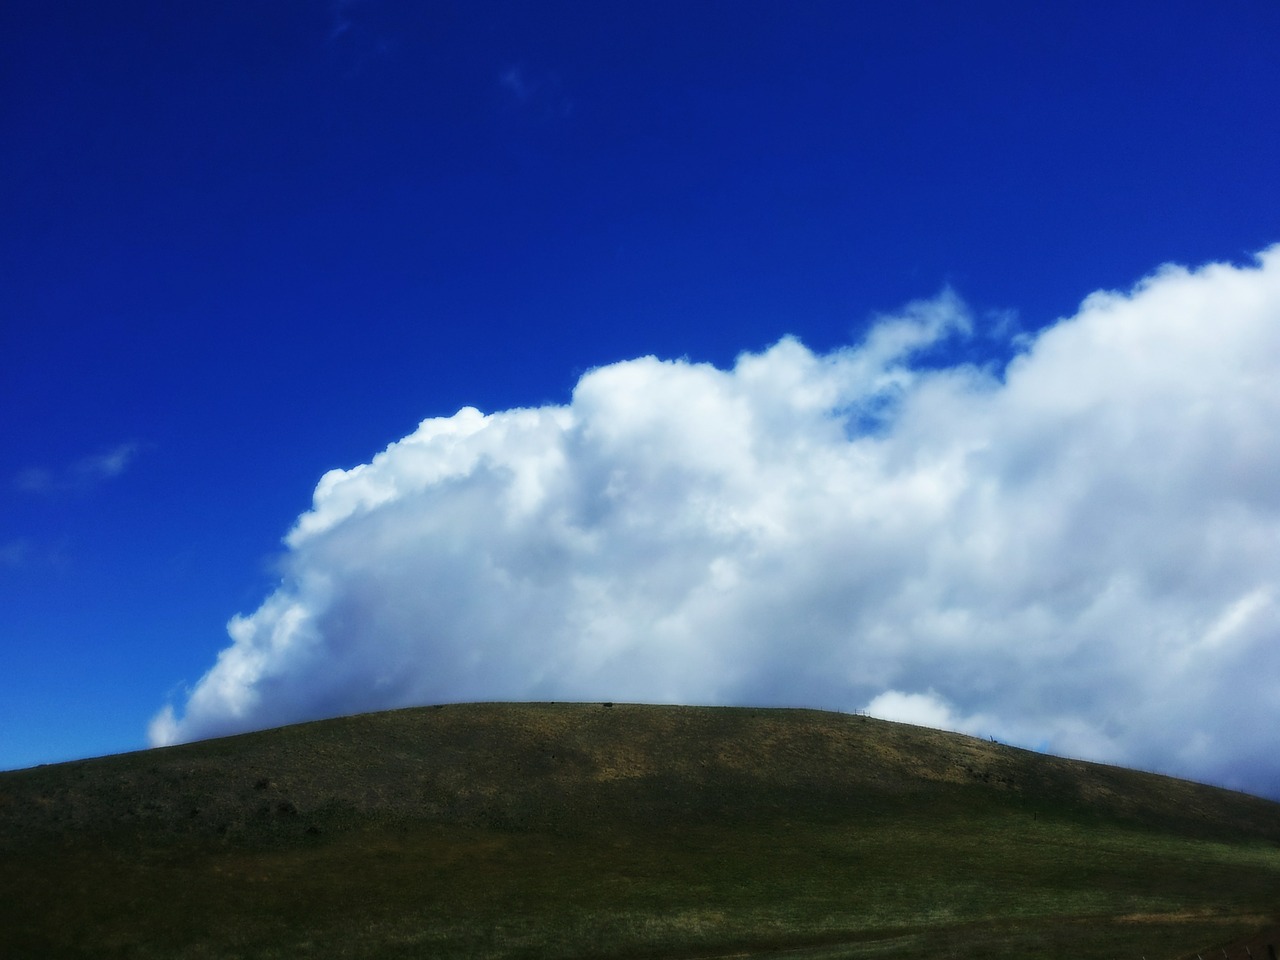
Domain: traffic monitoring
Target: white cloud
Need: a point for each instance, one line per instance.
(35, 480)
(85, 473)
(539, 94)
(514, 82)
(108, 465)
(922, 709)
(1080, 552)
(14, 553)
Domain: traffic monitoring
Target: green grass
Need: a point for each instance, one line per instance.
(576, 831)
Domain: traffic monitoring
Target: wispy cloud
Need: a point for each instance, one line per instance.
(340, 16)
(35, 480)
(539, 93)
(513, 81)
(106, 466)
(83, 474)
(1079, 552)
(363, 35)
(14, 553)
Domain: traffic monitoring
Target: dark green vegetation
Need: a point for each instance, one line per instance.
(573, 830)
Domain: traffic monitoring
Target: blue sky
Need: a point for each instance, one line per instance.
(246, 244)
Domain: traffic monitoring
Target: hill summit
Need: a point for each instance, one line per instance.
(602, 830)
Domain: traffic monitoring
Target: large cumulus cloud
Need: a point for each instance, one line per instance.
(1079, 550)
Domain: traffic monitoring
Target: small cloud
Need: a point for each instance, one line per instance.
(106, 466)
(541, 94)
(1004, 325)
(342, 17)
(34, 480)
(84, 474)
(513, 81)
(362, 35)
(163, 727)
(339, 21)
(14, 553)
(23, 553)
(921, 709)
(929, 709)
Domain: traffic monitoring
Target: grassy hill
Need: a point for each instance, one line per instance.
(596, 831)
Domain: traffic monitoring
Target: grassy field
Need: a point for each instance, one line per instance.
(585, 831)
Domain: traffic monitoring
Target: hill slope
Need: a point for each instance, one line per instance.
(591, 830)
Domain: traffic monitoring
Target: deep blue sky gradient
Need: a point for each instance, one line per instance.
(261, 240)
